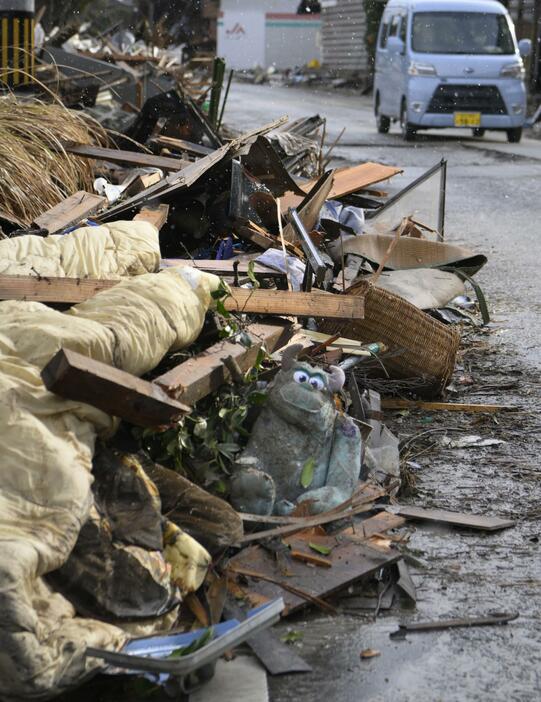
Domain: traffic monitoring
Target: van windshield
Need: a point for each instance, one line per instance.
(461, 33)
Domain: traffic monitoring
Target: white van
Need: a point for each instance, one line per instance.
(449, 63)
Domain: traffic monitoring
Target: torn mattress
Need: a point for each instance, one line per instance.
(109, 251)
(46, 460)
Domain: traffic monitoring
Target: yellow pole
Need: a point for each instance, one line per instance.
(16, 50)
(5, 54)
(32, 47)
(27, 50)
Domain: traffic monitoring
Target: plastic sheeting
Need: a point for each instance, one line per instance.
(46, 459)
(108, 251)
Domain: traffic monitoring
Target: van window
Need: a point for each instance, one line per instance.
(461, 33)
(393, 32)
(384, 35)
(403, 27)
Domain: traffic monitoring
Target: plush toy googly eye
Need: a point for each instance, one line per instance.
(300, 376)
(316, 382)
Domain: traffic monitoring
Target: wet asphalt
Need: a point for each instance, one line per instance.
(493, 206)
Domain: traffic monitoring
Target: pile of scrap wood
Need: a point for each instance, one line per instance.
(161, 307)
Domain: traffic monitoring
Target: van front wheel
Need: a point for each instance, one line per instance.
(408, 131)
(383, 122)
(514, 135)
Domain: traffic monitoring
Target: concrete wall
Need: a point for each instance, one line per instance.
(258, 33)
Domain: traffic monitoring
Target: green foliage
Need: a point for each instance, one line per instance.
(195, 645)
(292, 637)
(319, 548)
(204, 444)
(307, 474)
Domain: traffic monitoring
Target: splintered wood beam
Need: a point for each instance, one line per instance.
(295, 304)
(203, 374)
(271, 302)
(457, 519)
(120, 394)
(70, 211)
(142, 182)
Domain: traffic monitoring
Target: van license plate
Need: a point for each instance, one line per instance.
(467, 119)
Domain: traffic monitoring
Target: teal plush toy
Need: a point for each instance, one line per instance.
(301, 448)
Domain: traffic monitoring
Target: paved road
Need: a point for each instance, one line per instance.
(493, 204)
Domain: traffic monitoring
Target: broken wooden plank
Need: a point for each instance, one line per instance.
(120, 394)
(256, 236)
(317, 520)
(58, 290)
(226, 267)
(134, 158)
(351, 179)
(459, 519)
(395, 403)
(156, 216)
(203, 374)
(378, 524)
(310, 558)
(142, 182)
(241, 300)
(183, 145)
(350, 562)
(70, 211)
(296, 304)
(500, 618)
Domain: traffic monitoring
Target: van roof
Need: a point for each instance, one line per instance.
(450, 5)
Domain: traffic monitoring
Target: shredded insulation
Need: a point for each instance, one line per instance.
(31, 156)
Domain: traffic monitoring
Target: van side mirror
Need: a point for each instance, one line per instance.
(395, 45)
(525, 47)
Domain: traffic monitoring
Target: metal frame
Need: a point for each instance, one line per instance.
(179, 667)
(442, 165)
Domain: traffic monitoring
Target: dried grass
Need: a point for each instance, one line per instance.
(35, 171)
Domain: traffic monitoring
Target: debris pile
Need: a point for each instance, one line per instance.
(197, 328)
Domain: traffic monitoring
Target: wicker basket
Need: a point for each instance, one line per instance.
(419, 346)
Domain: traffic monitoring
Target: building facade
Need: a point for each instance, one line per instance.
(257, 33)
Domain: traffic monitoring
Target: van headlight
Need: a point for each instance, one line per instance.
(513, 70)
(421, 69)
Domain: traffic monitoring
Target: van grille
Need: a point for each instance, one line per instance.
(486, 99)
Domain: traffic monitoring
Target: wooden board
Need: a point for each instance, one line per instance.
(350, 562)
(224, 267)
(76, 377)
(459, 519)
(59, 290)
(134, 158)
(296, 304)
(142, 182)
(203, 374)
(350, 180)
(242, 300)
(70, 211)
(183, 145)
